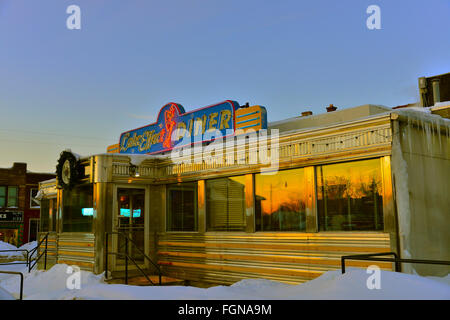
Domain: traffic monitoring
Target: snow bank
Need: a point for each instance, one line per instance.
(51, 284)
(45, 285)
(30, 246)
(5, 295)
(11, 254)
(19, 255)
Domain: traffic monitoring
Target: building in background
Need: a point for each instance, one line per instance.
(434, 90)
(19, 210)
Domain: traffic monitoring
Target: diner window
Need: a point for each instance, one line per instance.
(349, 196)
(45, 215)
(182, 206)
(78, 209)
(54, 207)
(225, 204)
(280, 201)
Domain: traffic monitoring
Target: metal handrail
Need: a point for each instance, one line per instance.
(127, 256)
(396, 260)
(31, 266)
(12, 263)
(21, 281)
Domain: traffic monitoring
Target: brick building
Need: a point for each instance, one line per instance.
(19, 212)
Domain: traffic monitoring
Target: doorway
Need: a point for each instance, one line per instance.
(33, 229)
(130, 221)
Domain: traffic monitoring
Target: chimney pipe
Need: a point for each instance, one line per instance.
(307, 113)
(331, 108)
(436, 93)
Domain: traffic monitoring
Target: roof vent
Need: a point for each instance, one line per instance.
(331, 108)
(307, 113)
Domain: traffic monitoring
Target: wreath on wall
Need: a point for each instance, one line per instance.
(68, 170)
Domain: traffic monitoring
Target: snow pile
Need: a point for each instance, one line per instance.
(52, 284)
(5, 295)
(18, 255)
(10, 254)
(30, 246)
(45, 285)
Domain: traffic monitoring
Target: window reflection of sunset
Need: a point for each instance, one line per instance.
(356, 178)
(286, 188)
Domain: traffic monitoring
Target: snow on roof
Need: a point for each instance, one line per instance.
(135, 159)
(48, 181)
(422, 114)
(442, 104)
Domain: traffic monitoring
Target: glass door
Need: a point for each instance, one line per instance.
(130, 221)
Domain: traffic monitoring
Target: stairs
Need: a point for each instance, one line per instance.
(142, 281)
(136, 278)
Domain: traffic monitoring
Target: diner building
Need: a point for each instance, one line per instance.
(281, 200)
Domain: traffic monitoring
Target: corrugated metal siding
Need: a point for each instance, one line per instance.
(288, 257)
(77, 249)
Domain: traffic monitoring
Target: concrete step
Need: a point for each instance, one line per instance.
(142, 281)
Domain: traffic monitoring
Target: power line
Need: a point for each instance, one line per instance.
(54, 144)
(54, 134)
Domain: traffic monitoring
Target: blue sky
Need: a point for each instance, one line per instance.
(80, 89)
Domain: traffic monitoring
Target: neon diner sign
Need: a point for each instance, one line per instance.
(174, 126)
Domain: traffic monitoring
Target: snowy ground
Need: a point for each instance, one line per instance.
(52, 284)
(15, 255)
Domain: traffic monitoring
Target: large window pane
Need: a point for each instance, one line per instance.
(12, 196)
(182, 207)
(280, 201)
(225, 204)
(349, 196)
(78, 209)
(54, 207)
(45, 215)
(2, 196)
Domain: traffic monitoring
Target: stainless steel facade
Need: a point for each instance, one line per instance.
(226, 257)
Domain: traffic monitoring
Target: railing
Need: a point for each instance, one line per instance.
(396, 260)
(128, 257)
(29, 261)
(44, 253)
(29, 257)
(21, 281)
(26, 262)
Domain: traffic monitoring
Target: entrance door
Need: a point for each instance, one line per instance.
(130, 221)
(33, 229)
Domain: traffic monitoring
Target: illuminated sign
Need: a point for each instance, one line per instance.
(11, 216)
(87, 212)
(251, 118)
(176, 128)
(126, 212)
